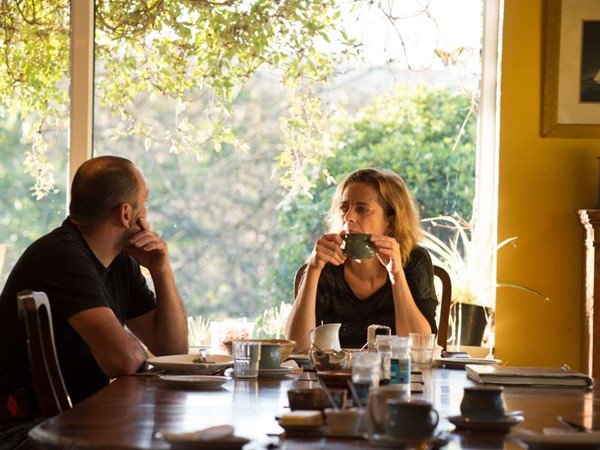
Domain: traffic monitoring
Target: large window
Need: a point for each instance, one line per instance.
(243, 124)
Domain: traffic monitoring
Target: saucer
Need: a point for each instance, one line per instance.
(384, 440)
(274, 373)
(466, 423)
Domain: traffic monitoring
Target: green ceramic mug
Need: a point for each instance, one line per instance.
(269, 356)
(358, 246)
(483, 403)
(412, 419)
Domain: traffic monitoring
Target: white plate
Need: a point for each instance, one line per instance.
(575, 440)
(194, 381)
(274, 373)
(184, 364)
(460, 363)
(465, 423)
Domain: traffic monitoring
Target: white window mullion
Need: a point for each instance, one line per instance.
(82, 83)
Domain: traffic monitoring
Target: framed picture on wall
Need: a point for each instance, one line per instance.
(571, 75)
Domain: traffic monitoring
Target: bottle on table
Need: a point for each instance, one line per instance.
(400, 363)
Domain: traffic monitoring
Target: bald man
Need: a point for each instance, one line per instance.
(90, 269)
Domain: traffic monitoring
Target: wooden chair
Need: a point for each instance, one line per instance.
(51, 392)
(298, 278)
(445, 300)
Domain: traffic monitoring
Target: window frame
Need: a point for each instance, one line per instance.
(487, 159)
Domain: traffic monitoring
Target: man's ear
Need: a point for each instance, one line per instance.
(125, 212)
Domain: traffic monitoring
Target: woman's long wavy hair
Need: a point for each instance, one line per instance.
(397, 202)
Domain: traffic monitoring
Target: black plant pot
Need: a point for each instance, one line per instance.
(473, 322)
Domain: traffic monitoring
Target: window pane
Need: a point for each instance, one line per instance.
(236, 235)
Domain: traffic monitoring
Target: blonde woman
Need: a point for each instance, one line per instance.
(394, 288)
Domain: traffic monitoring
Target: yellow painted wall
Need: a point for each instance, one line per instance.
(542, 184)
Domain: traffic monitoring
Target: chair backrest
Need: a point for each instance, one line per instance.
(298, 278)
(50, 389)
(446, 298)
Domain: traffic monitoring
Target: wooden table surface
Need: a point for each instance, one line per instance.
(128, 413)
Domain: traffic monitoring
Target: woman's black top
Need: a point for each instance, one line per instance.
(336, 303)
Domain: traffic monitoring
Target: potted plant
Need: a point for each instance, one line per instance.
(468, 263)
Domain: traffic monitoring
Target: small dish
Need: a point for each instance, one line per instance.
(466, 423)
(384, 440)
(200, 382)
(555, 439)
(274, 373)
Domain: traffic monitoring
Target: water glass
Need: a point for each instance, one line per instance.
(421, 353)
(246, 358)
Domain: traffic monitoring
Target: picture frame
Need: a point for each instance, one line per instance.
(571, 69)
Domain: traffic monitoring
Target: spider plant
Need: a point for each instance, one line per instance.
(467, 261)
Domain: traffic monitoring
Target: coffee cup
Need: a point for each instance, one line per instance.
(358, 246)
(411, 419)
(269, 356)
(377, 408)
(485, 403)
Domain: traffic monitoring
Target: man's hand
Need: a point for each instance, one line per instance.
(148, 248)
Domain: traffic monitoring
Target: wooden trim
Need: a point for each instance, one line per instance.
(590, 354)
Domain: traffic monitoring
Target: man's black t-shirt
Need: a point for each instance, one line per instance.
(336, 303)
(63, 266)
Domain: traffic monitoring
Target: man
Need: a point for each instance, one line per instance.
(90, 269)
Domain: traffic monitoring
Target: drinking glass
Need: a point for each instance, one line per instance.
(246, 358)
(421, 353)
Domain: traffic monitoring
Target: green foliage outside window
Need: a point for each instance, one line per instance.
(180, 87)
(425, 135)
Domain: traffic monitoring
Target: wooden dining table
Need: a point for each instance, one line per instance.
(129, 412)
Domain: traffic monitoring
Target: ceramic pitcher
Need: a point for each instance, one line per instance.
(326, 337)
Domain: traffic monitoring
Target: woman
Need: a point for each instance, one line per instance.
(395, 288)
